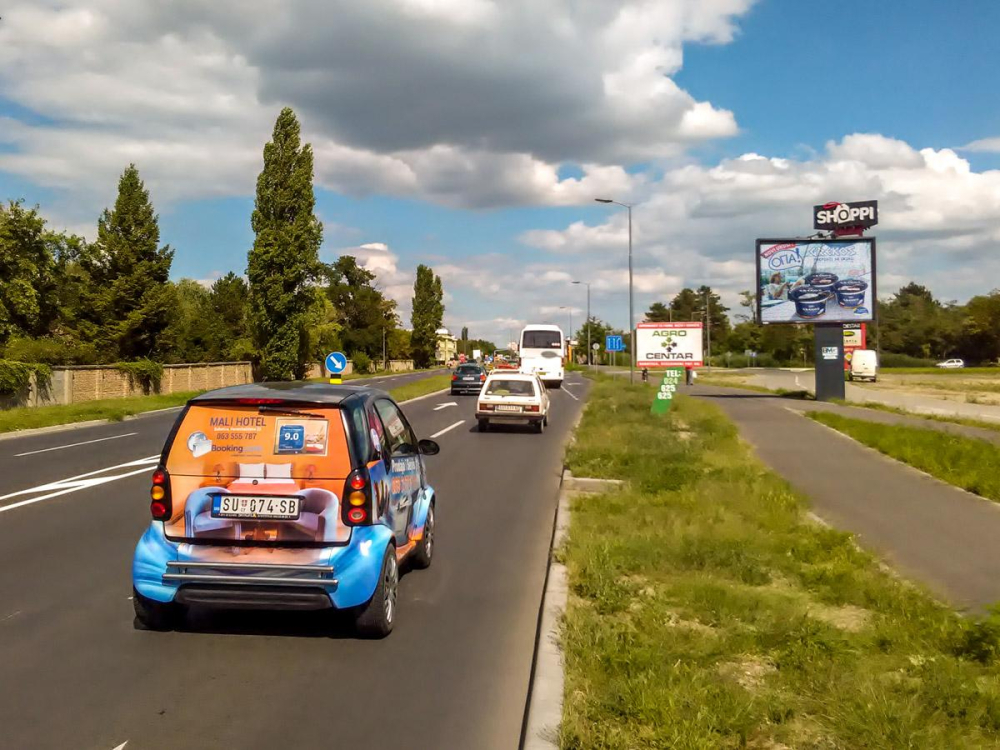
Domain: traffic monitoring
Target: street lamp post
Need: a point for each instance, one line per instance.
(631, 324)
(590, 359)
(565, 307)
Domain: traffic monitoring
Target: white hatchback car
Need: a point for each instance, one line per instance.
(513, 398)
(952, 363)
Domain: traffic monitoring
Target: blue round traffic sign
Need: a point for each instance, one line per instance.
(336, 362)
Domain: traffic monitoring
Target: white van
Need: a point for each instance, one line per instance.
(864, 365)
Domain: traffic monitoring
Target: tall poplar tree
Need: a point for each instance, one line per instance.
(428, 311)
(130, 296)
(284, 261)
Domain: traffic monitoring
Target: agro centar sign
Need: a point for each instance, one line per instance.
(844, 217)
(668, 345)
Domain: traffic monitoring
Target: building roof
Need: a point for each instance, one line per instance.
(283, 391)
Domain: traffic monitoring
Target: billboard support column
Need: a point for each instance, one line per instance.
(829, 362)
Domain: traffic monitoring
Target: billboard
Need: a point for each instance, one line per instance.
(815, 281)
(668, 344)
(845, 216)
(855, 337)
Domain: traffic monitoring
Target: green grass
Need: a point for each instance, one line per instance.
(421, 387)
(705, 613)
(965, 462)
(981, 424)
(114, 409)
(994, 371)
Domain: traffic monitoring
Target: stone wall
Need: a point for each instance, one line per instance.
(73, 385)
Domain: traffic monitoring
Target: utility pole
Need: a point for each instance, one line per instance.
(385, 361)
(590, 357)
(708, 325)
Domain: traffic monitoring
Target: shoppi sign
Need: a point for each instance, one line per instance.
(855, 337)
(815, 281)
(846, 218)
(668, 345)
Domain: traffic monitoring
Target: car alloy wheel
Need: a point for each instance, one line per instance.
(390, 586)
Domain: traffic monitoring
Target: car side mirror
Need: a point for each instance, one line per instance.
(428, 447)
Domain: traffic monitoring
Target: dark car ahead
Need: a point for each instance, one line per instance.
(467, 378)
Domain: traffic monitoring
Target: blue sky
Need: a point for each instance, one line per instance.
(502, 203)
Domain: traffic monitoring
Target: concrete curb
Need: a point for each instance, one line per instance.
(545, 705)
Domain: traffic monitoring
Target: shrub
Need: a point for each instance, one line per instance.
(362, 362)
(51, 351)
(14, 376)
(893, 359)
(143, 373)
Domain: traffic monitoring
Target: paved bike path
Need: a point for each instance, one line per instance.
(930, 531)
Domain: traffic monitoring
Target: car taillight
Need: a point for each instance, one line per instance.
(532, 408)
(485, 407)
(482, 378)
(159, 495)
(356, 508)
(455, 376)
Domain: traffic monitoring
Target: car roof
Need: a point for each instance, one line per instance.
(290, 392)
(508, 374)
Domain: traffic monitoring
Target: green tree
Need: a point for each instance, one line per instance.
(981, 328)
(284, 260)
(27, 272)
(659, 313)
(364, 313)
(229, 301)
(426, 316)
(129, 299)
(465, 333)
(194, 333)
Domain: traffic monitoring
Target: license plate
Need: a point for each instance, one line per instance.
(472, 378)
(508, 407)
(255, 506)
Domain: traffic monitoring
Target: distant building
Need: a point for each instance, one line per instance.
(447, 346)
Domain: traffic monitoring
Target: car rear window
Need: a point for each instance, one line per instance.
(468, 369)
(510, 387)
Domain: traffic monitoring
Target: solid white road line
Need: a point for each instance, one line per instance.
(446, 429)
(74, 445)
(76, 487)
(569, 393)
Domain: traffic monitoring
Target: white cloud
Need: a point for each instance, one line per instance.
(473, 103)
(986, 145)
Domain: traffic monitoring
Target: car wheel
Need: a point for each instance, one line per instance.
(421, 557)
(376, 618)
(484, 425)
(540, 426)
(153, 615)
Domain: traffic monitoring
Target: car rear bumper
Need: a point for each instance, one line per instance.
(503, 418)
(466, 387)
(245, 577)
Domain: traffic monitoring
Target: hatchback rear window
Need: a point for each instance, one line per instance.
(504, 387)
(468, 369)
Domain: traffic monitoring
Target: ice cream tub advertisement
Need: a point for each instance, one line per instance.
(815, 281)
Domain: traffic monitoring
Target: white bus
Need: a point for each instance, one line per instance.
(542, 349)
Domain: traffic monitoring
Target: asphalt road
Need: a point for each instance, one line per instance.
(453, 674)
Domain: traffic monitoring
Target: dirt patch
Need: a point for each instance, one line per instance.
(674, 620)
(849, 618)
(750, 672)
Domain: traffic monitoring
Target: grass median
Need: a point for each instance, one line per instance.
(706, 612)
(421, 387)
(965, 462)
(113, 409)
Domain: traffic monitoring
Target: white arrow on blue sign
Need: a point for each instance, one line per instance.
(614, 344)
(336, 362)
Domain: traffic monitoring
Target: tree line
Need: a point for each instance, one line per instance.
(913, 328)
(64, 300)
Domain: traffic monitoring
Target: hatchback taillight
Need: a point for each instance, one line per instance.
(482, 378)
(159, 495)
(454, 377)
(357, 509)
(485, 407)
(533, 407)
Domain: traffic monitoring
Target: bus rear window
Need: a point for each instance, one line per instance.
(541, 340)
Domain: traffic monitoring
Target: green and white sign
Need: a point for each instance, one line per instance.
(672, 377)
